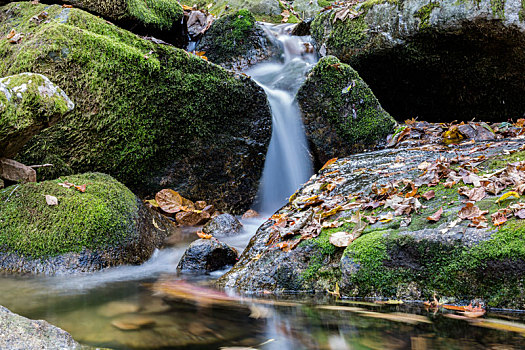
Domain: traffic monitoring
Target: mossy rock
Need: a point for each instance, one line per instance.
(153, 14)
(340, 112)
(235, 41)
(106, 225)
(28, 103)
(150, 115)
(439, 61)
(390, 259)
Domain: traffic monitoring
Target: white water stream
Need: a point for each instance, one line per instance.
(288, 163)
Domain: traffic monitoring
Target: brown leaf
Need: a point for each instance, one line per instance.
(474, 194)
(81, 188)
(204, 235)
(342, 239)
(470, 211)
(169, 201)
(328, 163)
(498, 218)
(436, 216)
(429, 195)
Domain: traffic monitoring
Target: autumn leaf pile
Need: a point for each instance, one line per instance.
(319, 202)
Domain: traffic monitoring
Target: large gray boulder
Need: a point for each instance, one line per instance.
(438, 61)
(20, 333)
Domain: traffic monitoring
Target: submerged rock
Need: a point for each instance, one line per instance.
(438, 61)
(150, 115)
(223, 225)
(96, 223)
(397, 254)
(29, 103)
(17, 332)
(236, 42)
(207, 255)
(340, 112)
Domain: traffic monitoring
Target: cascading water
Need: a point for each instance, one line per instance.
(288, 163)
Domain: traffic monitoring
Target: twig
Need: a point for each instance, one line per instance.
(41, 166)
(11, 193)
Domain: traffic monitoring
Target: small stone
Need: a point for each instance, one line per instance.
(223, 225)
(250, 214)
(116, 308)
(134, 322)
(14, 171)
(200, 205)
(207, 255)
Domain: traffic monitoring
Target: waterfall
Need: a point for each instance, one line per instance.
(288, 163)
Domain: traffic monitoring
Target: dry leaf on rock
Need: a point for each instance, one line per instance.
(470, 211)
(51, 200)
(436, 216)
(169, 201)
(342, 239)
(429, 195)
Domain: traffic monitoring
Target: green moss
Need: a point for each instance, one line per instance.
(335, 92)
(162, 14)
(522, 11)
(424, 13)
(99, 218)
(323, 3)
(368, 4)
(140, 107)
(495, 163)
(498, 8)
(322, 251)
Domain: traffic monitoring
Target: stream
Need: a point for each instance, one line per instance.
(117, 307)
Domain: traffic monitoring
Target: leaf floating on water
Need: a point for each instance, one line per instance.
(51, 200)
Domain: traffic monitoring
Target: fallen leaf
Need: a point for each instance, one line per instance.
(51, 200)
(169, 201)
(474, 194)
(204, 235)
(436, 216)
(152, 202)
(328, 163)
(342, 239)
(384, 218)
(429, 195)
(520, 214)
(11, 34)
(507, 195)
(470, 211)
(81, 188)
(498, 218)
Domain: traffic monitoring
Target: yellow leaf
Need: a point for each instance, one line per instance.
(386, 218)
(507, 195)
(152, 202)
(331, 212)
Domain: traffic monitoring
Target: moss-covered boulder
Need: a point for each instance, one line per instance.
(436, 60)
(76, 223)
(150, 115)
(236, 42)
(401, 248)
(340, 112)
(268, 10)
(28, 103)
(149, 14)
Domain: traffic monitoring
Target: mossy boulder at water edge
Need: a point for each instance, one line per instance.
(150, 115)
(28, 103)
(52, 227)
(235, 41)
(340, 112)
(436, 60)
(395, 255)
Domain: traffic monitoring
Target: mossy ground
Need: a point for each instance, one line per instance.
(101, 217)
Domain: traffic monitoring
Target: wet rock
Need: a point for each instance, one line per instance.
(477, 132)
(250, 214)
(116, 308)
(439, 61)
(198, 129)
(340, 112)
(105, 225)
(302, 28)
(29, 103)
(133, 322)
(236, 42)
(207, 255)
(393, 258)
(14, 171)
(198, 22)
(17, 332)
(223, 225)
(192, 218)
